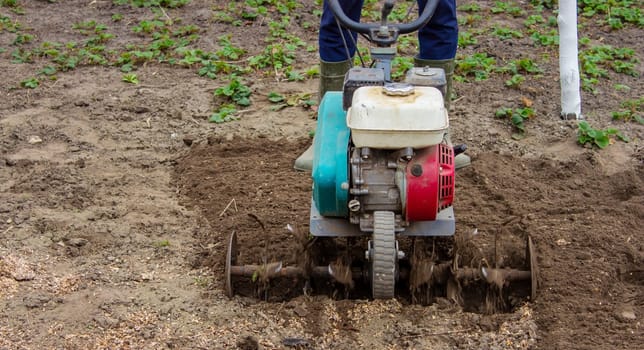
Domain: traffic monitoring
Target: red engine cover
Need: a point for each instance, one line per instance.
(430, 182)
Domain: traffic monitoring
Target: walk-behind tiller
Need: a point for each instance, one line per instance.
(383, 188)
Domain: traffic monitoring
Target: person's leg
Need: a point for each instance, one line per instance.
(439, 38)
(335, 60)
(331, 46)
(438, 41)
(336, 47)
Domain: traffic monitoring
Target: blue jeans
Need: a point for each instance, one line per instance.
(437, 40)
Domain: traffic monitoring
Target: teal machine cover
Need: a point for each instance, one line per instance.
(330, 165)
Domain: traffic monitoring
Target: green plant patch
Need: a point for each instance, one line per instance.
(596, 61)
(517, 116)
(130, 78)
(533, 20)
(228, 51)
(615, 13)
(550, 38)
(524, 65)
(6, 23)
(544, 3)
(631, 110)
(225, 113)
(586, 134)
(148, 27)
(471, 7)
(14, 5)
(477, 65)
(507, 7)
(235, 91)
(400, 65)
(153, 3)
(20, 55)
(30, 83)
(466, 39)
(276, 56)
(303, 100)
(22, 39)
(505, 33)
(515, 81)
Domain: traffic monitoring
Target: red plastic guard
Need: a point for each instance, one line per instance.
(430, 182)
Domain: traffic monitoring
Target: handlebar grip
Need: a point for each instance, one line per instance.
(386, 10)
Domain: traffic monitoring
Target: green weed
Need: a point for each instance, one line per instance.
(275, 97)
(524, 65)
(615, 13)
(148, 27)
(153, 3)
(7, 24)
(89, 27)
(225, 113)
(202, 282)
(400, 66)
(507, 7)
(228, 50)
(466, 39)
(22, 39)
(276, 56)
(471, 7)
(596, 61)
(504, 33)
(544, 3)
(596, 137)
(48, 71)
(187, 30)
(130, 78)
(478, 65)
(515, 81)
(235, 91)
(163, 243)
(533, 20)
(551, 38)
(9, 3)
(631, 110)
(469, 19)
(303, 100)
(517, 116)
(14, 6)
(30, 83)
(21, 56)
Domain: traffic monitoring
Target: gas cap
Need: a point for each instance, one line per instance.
(398, 89)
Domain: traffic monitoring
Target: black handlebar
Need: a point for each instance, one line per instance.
(386, 10)
(370, 28)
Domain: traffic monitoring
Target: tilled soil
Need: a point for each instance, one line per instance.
(116, 202)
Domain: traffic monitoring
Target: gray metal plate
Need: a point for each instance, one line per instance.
(321, 226)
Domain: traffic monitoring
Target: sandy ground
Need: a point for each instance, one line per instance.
(114, 205)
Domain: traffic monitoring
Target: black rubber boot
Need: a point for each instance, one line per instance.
(332, 76)
(448, 67)
(331, 79)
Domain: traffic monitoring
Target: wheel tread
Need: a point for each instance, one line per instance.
(383, 267)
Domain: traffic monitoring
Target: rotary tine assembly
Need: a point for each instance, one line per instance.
(481, 288)
(262, 274)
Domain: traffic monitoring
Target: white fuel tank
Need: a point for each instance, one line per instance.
(397, 116)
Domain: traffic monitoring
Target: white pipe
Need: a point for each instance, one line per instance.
(568, 60)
